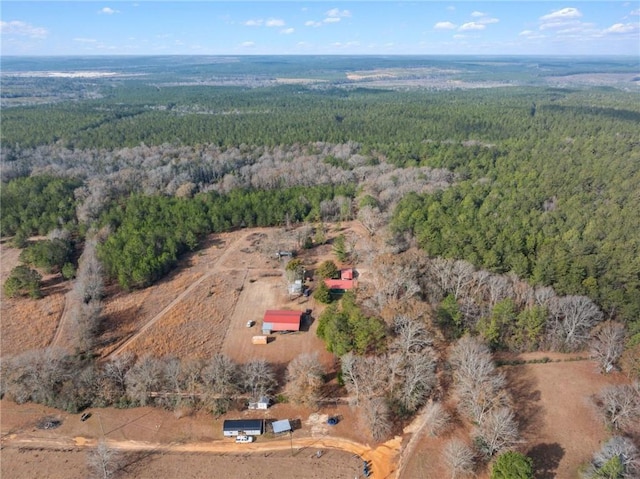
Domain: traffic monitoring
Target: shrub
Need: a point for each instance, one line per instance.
(23, 281)
(512, 465)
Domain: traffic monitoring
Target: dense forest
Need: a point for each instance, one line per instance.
(531, 178)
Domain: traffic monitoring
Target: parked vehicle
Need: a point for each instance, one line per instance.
(250, 323)
(244, 439)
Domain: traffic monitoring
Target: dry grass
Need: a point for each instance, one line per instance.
(195, 327)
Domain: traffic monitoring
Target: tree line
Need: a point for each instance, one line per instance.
(149, 233)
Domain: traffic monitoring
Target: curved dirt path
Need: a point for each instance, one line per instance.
(382, 459)
(211, 270)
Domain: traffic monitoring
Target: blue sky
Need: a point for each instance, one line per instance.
(319, 27)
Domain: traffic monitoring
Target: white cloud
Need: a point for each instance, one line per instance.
(472, 26)
(621, 28)
(337, 13)
(254, 22)
(478, 14)
(562, 14)
(487, 20)
(635, 12)
(444, 26)
(248, 44)
(287, 31)
(560, 24)
(451, 8)
(85, 40)
(24, 29)
(108, 11)
(275, 22)
(526, 33)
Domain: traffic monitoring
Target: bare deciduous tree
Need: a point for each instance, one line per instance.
(86, 320)
(395, 277)
(459, 458)
(103, 461)
(437, 418)
(620, 405)
(305, 379)
(572, 318)
(376, 415)
(222, 381)
(371, 218)
(418, 382)
(111, 383)
(411, 336)
(497, 432)
(454, 276)
(144, 377)
(364, 376)
(544, 295)
(258, 378)
(478, 385)
(607, 344)
(623, 450)
(89, 283)
(499, 288)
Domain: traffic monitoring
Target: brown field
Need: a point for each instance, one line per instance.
(27, 323)
(558, 421)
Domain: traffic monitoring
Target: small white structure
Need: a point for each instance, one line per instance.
(263, 403)
(295, 287)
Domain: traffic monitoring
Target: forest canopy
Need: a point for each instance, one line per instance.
(546, 176)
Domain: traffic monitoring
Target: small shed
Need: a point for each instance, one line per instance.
(259, 340)
(263, 403)
(281, 426)
(237, 427)
(281, 320)
(295, 287)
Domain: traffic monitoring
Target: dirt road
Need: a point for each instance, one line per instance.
(381, 459)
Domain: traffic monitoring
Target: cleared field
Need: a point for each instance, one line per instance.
(20, 463)
(27, 323)
(558, 421)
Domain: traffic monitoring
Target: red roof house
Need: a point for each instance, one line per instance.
(340, 284)
(281, 320)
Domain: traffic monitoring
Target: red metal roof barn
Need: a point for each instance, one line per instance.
(340, 284)
(281, 320)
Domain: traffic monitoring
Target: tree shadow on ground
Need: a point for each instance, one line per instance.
(524, 390)
(546, 458)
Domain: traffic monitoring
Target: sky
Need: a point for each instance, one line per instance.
(143, 27)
